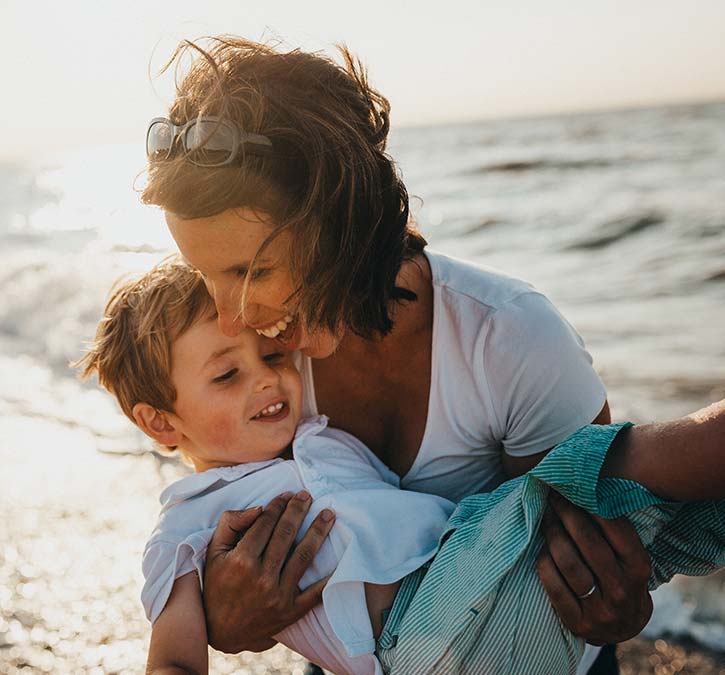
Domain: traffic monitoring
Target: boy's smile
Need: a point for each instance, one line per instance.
(238, 399)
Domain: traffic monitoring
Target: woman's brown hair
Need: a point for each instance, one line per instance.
(328, 183)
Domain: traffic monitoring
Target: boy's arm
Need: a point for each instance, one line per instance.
(683, 460)
(178, 638)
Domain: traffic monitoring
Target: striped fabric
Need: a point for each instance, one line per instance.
(480, 608)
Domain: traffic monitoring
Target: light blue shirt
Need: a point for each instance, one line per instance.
(381, 534)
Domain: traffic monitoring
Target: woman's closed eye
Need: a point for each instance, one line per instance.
(226, 376)
(257, 272)
(274, 357)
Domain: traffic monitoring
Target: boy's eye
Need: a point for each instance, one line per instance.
(273, 357)
(226, 376)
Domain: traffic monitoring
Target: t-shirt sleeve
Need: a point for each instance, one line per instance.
(542, 384)
(164, 562)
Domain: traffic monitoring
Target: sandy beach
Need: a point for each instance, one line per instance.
(74, 524)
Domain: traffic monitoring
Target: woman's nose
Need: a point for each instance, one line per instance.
(227, 304)
(230, 322)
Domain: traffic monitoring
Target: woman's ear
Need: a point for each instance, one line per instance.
(157, 424)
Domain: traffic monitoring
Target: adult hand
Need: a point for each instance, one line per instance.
(595, 572)
(252, 573)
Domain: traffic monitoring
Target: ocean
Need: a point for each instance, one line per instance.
(619, 217)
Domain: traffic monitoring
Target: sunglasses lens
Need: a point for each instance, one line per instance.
(210, 142)
(159, 140)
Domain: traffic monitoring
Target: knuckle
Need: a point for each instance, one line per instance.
(569, 568)
(589, 539)
(618, 596)
(305, 555)
(297, 507)
(266, 584)
(286, 529)
(243, 566)
(607, 617)
(269, 517)
(227, 518)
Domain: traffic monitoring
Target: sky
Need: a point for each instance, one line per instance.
(81, 72)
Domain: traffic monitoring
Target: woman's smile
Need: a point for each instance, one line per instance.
(222, 248)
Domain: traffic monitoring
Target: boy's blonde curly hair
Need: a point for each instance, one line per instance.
(131, 353)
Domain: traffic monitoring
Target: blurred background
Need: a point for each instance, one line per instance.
(578, 145)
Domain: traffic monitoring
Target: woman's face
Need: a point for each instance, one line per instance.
(222, 248)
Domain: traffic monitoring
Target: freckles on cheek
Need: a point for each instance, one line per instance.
(223, 432)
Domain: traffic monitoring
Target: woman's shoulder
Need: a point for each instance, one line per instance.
(481, 284)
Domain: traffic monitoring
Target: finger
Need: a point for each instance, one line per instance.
(623, 538)
(309, 598)
(565, 604)
(232, 525)
(593, 547)
(566, 557)
(305, 552)
(257, 536)
(285, 531)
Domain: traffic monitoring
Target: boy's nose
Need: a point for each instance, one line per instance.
(266, 378)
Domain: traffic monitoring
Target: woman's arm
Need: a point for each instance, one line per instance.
(253, 570)
(680, 460)
(178, 639)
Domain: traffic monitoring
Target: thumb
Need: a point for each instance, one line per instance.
(232, 525)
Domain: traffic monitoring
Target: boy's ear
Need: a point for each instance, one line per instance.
(157, 424)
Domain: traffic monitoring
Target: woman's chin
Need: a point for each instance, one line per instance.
(317, 345)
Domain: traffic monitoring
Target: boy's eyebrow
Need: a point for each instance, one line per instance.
(218, 354)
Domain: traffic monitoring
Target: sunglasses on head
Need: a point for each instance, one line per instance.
(204, 141)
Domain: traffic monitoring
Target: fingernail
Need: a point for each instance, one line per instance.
(326, 515)
(302, 495)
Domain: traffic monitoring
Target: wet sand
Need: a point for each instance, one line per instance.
(73, 522)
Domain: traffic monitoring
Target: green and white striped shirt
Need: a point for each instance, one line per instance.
(479, 606)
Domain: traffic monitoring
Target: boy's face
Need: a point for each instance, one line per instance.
(238, 398)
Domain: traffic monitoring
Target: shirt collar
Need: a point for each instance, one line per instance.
(194, 484)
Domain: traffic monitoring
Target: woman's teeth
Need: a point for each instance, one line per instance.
(269, 410)
(279, 327)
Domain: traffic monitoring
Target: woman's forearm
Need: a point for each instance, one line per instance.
(682, 460)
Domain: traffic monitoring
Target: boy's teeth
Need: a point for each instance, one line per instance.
(270, 410)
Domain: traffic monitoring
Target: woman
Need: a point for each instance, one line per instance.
(273, 177)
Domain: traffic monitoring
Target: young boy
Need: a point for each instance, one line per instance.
(231, 406)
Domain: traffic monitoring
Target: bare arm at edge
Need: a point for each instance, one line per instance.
(681, 460)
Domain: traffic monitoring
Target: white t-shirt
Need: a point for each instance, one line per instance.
(381, 534)
(508, 374)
